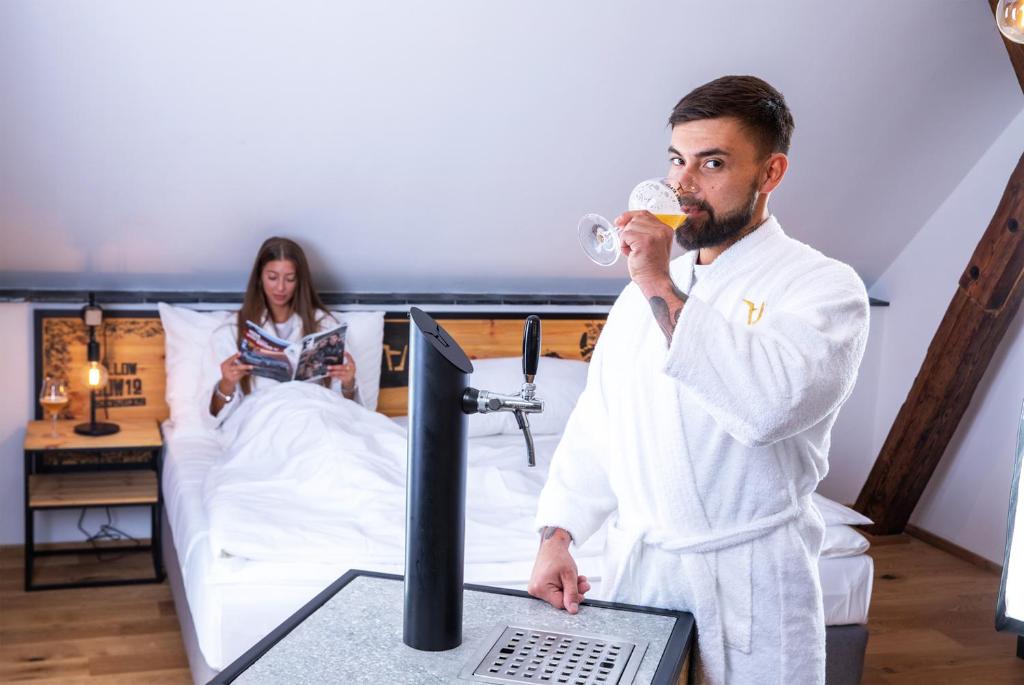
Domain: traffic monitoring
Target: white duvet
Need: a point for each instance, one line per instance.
(307, 475)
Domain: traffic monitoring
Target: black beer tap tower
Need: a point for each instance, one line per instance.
(439, 400)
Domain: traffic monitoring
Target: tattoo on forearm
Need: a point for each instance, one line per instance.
(667, 319)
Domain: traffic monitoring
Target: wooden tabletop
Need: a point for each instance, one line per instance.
(133, 433)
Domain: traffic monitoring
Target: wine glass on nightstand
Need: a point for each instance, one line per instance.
(53, 396)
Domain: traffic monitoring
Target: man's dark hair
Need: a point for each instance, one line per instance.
(761, 108)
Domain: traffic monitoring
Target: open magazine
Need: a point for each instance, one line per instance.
(305, 360)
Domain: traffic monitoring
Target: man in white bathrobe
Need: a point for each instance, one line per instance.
(704, 426)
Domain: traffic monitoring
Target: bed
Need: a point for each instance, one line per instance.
(216, 594)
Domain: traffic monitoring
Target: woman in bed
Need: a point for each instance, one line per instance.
(280, 298)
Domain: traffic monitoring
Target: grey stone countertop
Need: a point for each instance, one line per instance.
(356, 637)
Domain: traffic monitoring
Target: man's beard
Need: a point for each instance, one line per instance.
(715, 230)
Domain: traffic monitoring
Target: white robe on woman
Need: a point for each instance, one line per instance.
(705, 451)
(224, 343)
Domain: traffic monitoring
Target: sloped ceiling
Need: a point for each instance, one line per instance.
(452, 146)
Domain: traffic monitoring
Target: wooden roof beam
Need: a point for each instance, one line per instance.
(990, 293)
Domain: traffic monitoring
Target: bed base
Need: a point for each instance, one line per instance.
(202, 672)
(844, 654)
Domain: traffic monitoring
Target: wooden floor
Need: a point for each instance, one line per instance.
(117, 635)
(931, 623)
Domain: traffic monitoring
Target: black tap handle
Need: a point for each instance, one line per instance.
(531, 345)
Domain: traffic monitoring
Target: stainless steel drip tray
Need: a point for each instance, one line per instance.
(516, 654)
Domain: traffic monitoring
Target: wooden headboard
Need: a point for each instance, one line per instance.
(133, 345)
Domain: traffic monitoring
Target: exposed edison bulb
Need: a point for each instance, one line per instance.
(96, 375)
(1010, 19)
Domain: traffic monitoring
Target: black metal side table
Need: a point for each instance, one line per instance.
(72, 471)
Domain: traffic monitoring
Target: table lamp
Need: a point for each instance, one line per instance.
(95, 375)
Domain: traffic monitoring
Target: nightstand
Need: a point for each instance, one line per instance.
(74, 471)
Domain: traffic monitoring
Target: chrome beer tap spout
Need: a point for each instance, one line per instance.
(525, 401)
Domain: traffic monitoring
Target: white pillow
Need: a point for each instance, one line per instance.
(843, 541)
(836, 514)
(559, 383)
(186, 344)
(365, 342)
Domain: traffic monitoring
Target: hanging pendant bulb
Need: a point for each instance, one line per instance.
(1010, 19)
(96, 376)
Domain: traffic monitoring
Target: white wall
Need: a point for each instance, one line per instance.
(16, 407)
(453, 146)
(967, 498)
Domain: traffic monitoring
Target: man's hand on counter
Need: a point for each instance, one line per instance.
(555, 578)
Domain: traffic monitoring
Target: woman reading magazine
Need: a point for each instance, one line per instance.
(280, 301)
(302, 466)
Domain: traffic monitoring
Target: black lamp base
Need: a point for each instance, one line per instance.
(96, 429)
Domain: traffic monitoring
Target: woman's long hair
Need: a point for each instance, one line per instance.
(305, 300)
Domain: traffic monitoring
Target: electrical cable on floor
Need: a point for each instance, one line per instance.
(106, 532)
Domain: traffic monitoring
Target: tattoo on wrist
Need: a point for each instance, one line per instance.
(667, 319)
(549, 532)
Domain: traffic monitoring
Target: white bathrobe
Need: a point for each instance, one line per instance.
(705, 452)
(224, 343)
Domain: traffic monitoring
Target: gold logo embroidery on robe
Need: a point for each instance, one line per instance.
(754, 313)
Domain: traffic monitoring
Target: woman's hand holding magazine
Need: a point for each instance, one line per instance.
(232, 370)
(344, 374)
